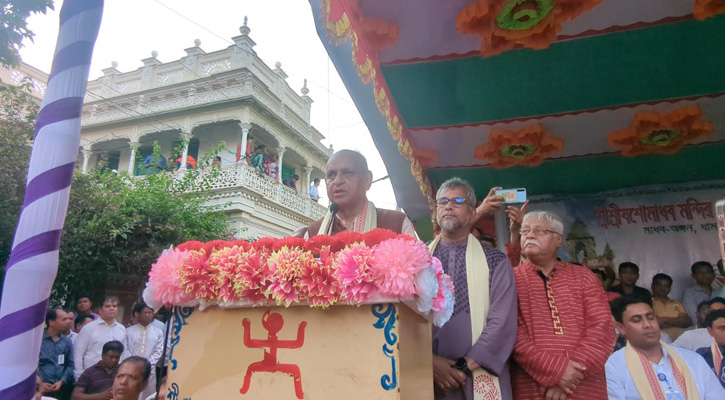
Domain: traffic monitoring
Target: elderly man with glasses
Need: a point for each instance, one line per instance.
(565, 332)
(472, 349)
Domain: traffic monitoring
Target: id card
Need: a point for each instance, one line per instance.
(674, 395)
(61, 359)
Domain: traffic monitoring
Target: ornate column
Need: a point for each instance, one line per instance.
(132, 159)
(308, 182)
(185, 139)
(245, 126)
(280, 154)
(87, 153)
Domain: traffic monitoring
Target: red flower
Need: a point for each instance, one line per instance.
(264, 244)
(315, 244)
(198, 277)
(214, 245)
(289, 242)
(242, 244)
(349, 237)
(405, 237)
(191, 245)
(377, 235)
(252, 277)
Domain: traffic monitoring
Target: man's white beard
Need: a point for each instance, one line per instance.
(450, 225)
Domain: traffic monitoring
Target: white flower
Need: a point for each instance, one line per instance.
(426, 288)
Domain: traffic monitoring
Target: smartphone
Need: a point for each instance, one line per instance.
(512, 196)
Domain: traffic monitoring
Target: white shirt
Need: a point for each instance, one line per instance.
(89, 343)
(694, 339)
(146, 342)
(158, 324)
(620, 385)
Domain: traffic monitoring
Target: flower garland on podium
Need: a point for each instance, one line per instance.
(349, 268)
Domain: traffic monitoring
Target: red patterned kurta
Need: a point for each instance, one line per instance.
(542, 352)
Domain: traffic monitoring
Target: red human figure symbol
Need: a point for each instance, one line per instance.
(273, 324)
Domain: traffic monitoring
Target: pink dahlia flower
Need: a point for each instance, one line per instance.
(395, 264)
(353, 272)
(252, 277)
(224, 263)
(197, 276)
(286, 266)
(164, 280)
(317, 281)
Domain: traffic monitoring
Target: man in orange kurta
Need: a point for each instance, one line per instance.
(565, 331)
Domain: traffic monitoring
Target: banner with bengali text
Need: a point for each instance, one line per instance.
(661, 229)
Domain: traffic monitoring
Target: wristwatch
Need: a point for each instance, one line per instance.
(462, 365)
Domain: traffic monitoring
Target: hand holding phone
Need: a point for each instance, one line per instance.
(512, 196)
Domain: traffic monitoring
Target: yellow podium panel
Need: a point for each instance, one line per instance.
(380, 351)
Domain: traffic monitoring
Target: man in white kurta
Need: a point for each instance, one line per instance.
(145, 340)
(89, 343)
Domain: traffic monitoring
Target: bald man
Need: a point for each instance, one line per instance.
(348, 179)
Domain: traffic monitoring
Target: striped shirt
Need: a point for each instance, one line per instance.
(562, 317)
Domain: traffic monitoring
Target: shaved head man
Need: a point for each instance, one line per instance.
(348, 179)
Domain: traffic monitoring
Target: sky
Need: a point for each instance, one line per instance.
(284, 31)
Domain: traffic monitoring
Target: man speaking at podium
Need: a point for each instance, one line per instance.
(348, 179)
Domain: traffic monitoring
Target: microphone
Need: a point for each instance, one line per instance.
(333, 211)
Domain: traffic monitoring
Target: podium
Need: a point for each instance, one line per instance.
(372, 351)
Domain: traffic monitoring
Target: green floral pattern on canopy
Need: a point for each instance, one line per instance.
(517, 151)
(519, 15)
(662, 137)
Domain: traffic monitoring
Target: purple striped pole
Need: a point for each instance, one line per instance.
(33, 262)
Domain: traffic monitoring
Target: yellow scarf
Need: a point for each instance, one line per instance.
(716, 358)
(646, 381)
(371, 220)
(485, 385)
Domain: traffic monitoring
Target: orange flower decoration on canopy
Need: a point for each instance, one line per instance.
(345, 21)
(653, 132)
(529, 146)
(505, 24)
(708, 8)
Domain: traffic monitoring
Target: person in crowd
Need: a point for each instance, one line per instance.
(154, 164)
(713, 354)
(696, 338)
(216, 161)
(84, 305)
(161, 394)
(703, 274)
(190, 162)
(246, 152)
(96, 381)
(79, 323)
(145, 340)
(132, 379)
(348, 179)
(171, 164)
(90, 341)
(647, 368)
(720, 292)
(314, 190)
(55, 364)
(291, 182)
(475, 344)
(602, 276)
(257, 160)
(270, 166)
(671, 314)
(70, 319)
(628, 276)
(565, 331)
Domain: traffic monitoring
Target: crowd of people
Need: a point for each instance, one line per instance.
(569, 338)
(89, 356)
(577, 333)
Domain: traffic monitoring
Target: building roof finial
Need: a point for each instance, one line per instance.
(197, 42)
(304, 90)
(244, 29)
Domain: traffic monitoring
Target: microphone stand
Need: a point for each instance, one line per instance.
(333, 212)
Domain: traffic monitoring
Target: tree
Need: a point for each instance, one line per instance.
(18, 111)
(120, 224)
(14, 27)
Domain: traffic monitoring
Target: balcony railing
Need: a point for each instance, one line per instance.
(241, 175)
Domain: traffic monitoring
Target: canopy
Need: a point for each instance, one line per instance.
(557, 96)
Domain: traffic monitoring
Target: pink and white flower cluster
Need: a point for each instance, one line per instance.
(349, 268)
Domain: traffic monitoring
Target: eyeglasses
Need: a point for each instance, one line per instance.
(537, 232)
(455, 202)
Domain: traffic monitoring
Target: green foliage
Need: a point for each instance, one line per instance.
(17, 124)
(117, 224)
(14, 28)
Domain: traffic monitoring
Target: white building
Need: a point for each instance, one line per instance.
(193, 104)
